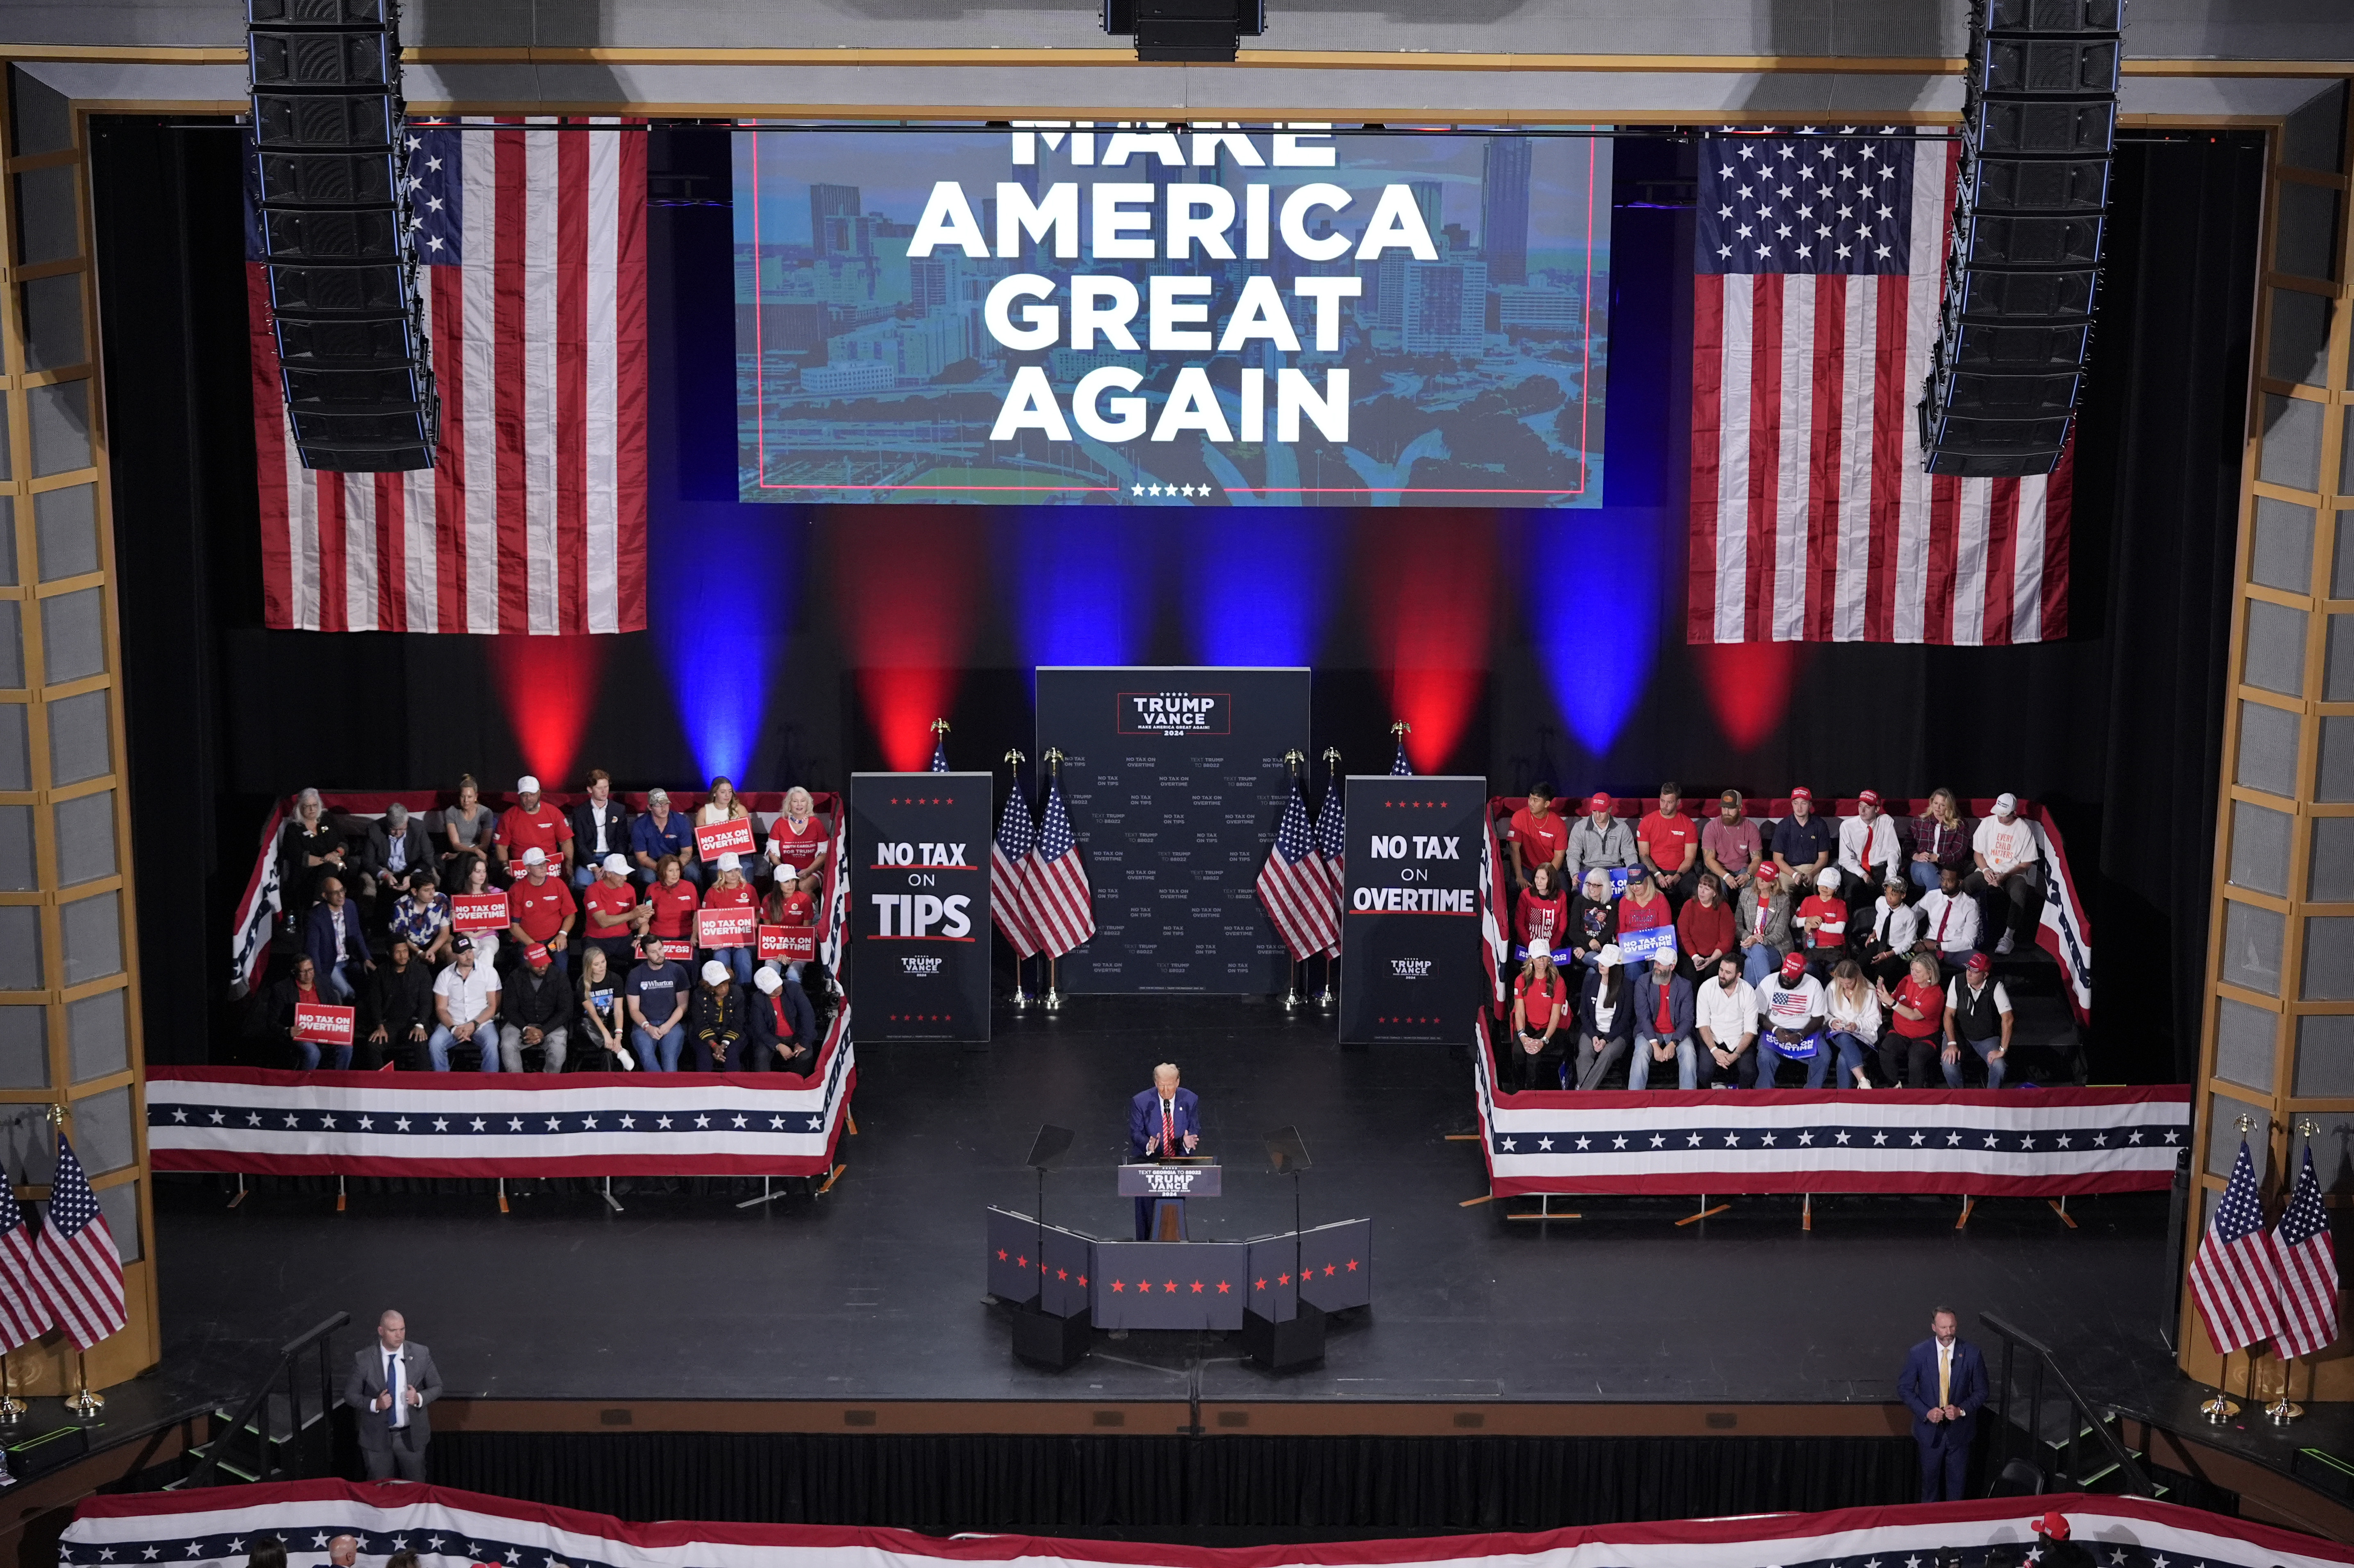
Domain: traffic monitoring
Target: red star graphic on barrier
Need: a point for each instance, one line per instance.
(1352, 1267)
(1116, 1284)
(1261, 1286)
(1222, 1287)
(1066, 1274)
(1170, 1288)
(1001, 1255)
(1020, 1263)
(1197, 1287)
(1328, 1271)
(1145, 1286)
(1283, 1280)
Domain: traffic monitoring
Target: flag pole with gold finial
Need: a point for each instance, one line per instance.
(1332, 771)
(1015, 759)
(86, 1402)
(1054, 761)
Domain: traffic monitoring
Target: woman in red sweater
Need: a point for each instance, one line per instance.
(1705, 930)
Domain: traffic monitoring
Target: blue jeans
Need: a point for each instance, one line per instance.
(339, 1057)
(486, 1038)
(657, 1055)
(1770, 1060)
(740, 961)
(338, 984)
(1985, 1048)
(1639, 1065)
(1760, 961)
(1924, 874)
(1850, 1054)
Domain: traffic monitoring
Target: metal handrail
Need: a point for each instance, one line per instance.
(2086, 1418)
(315, 1336)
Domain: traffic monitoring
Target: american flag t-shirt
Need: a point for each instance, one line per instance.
(2234, 1278)
(80, 1271)
(533, 519)
(1819, 262)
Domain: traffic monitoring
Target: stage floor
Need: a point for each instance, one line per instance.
(874, 1291)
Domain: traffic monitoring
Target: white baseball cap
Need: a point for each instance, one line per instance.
(527, 785)
(730, 861)
(1609, 955)
(1666, 957)
(2006, 802)
(1540, 951)
(617, 865)
(1827, 877)
(534, 857)
(714, 971)
(768, 981)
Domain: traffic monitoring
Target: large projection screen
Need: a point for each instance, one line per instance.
(1178, 315)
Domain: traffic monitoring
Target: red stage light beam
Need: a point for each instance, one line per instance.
(1429, 593)
(549, 687)
(1748, 685)
(905, 580)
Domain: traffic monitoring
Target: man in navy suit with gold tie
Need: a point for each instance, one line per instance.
(1944, 1382)
(1163, 1121)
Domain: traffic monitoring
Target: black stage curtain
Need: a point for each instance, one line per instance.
(1176, 1485)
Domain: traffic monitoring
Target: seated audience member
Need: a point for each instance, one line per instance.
(1540, 1020)
(611, 918)
(1599, 839)
(395, 853)
(603, 1023)
(399, 1012)
(531, 823)
(1669, 844)
(1790, 1013)
(467, 828)
(1803, 841)
(730, 891)
(600, 827)
(301, 988)
(478, 885)
(465, 1009)
(673, 902)
(1606, 1018)
(421, 916)
(540, 909)
(659, 832)
(656, 996)
(1885, 945)
(783, 1035)
(1663, 1025)
(788, 903)
(716, 1033)
(1706, 930)
(309, 849)
(1916, 1009)
(1823, 920)
(335, 943)
(1642, 909)
(1851, 1020)
(1941, 838)
(2008, 866)
(1539, 837)
(1977, 1014)
(534, 1011)
(1724, 1017)
(798, 838)
(1541, 913)
(1868, 852)
(722, 806)
(1593, 919)
(1949, 920)
(1729, 846)
(1763, 920)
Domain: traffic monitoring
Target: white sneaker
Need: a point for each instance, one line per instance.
(2005, 945)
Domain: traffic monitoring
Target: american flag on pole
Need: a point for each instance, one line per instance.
(2234, 1278)
(24, 1312)
(80, 1271)
(2307, 1262)
(1055, 883)
(1331, 847)
(1819, 263)
(533, 520)
(1399, 767)
(939, 754)
(1292, 887)
(1008, 896)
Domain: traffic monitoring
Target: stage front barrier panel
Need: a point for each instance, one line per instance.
(1181, 1285)
(1974, 1143)
(510, 1124)
(2277, 1030)
(187, 1526)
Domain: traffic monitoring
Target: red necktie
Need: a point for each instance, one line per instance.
(1943, 916)
(1167, 1129)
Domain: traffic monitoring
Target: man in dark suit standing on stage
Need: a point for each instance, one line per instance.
(1944, 1382)
(391, 1384)
(1164, 1120)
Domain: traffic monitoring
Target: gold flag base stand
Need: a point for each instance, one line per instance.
(87, 1401)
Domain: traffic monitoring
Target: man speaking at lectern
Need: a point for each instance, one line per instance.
(1163, 1121)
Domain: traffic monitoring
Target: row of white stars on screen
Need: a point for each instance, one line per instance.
(1170, 490)
(1732, 1140)
(515, 1124)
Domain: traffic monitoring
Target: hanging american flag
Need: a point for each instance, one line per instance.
(24, 1312)
(1332, 846)
(1817, 265)
(2234, 1278)
(1399, 767)
(1292, 888)
(80, 1271)
(1055, 883)
(1008, 897)
(939, 754)
(534, 519)
(2307, 1264)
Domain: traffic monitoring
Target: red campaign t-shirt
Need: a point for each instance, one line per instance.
(1542, 1002)
(1539, 841)
(796, 847)
(1541, 920)
(540, 910)
(1833, 932)
(1664, 839)
(603, 899)
(1634, 916)
(675, 909)
(544, 829)
(796, 909)
(1929, 1000)
(731, 897)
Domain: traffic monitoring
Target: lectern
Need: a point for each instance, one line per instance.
(1169, 1182)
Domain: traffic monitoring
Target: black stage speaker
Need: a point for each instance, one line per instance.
(1045, 1340)
(335, 224)
(1181, 30)
(1297, 1341)
(2039, 126)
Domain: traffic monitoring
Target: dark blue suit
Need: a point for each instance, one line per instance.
(1944, 1445)
(1144, 1122)
(319, 943)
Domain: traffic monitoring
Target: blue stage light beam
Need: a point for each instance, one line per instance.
(1593, 610)
(721, 606)
(1080, 580)
(1259, 584)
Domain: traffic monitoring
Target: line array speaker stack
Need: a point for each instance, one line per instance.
(335, 227)
(2039, 128)
(1178, 30)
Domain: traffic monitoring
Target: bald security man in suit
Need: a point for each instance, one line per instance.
(392, 1383)
(1944, 1383)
